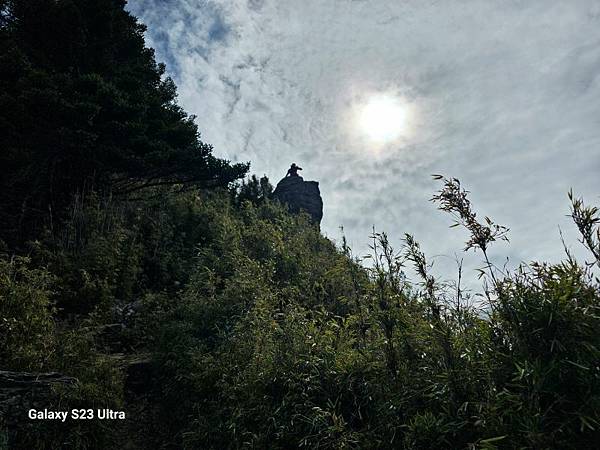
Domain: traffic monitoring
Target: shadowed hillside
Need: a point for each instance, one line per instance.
(141, 274)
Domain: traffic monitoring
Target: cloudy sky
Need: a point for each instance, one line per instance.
(372, 97)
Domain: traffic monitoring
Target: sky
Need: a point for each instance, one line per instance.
(504, 95)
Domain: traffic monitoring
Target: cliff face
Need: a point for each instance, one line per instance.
(300, 195)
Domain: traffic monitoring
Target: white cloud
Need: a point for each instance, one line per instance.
(506, 95)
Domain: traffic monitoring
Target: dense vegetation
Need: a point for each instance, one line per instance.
(84, 107)
(135, 261)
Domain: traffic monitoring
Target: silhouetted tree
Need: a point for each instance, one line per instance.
(84, 106)
(254, 190)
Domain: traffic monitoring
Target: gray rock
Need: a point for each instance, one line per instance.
(300, 195)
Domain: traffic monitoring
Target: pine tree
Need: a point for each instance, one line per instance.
(84, 106)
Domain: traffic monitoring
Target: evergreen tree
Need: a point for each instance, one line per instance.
(254, 190)
(84, 106)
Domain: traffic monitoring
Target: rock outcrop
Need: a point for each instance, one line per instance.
(300, 195)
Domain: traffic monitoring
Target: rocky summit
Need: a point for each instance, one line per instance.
(300, 195)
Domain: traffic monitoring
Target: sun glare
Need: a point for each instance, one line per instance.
(383, 118)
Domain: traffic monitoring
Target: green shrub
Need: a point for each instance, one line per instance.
(26, 315)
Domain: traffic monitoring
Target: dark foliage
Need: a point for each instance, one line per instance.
(254, 190)
(214, 318)
(84, 106)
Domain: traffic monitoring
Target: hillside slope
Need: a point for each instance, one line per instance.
(139, 274)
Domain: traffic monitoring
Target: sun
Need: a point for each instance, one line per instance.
(383, 118)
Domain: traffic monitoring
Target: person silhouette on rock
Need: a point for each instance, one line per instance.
(293, 171)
